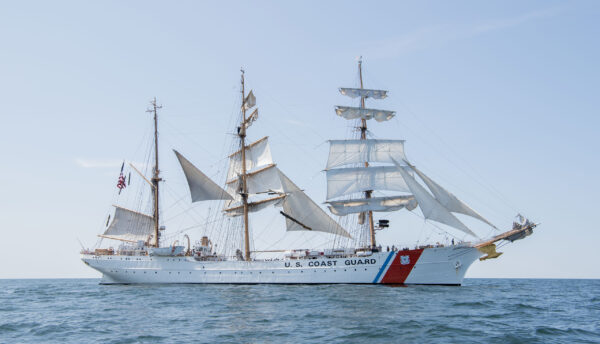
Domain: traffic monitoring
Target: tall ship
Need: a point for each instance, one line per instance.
(364, 176)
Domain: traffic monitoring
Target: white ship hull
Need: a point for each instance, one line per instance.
(440, 265)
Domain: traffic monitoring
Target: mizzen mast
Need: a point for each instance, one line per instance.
(156, 173)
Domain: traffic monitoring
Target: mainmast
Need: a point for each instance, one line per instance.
(156, 175)
(242, 135)
(363, 136)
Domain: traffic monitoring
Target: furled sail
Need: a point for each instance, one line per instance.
(349, 112)
(129, 225)
(201, 187)
(431, 208)
(238, 209)
(344, 152)
(448, 200)
(264, 180)
(258, 154)
(351, 206)
(345, 181)
(362, 92)
(302, 213)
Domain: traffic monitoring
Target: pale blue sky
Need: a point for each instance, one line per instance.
(492, 97)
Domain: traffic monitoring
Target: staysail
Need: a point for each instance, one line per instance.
(129, 225)
(448, 200)
(302, 213)
(430, 207)
(202, 188)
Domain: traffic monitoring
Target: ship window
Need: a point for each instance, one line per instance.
(155, 272)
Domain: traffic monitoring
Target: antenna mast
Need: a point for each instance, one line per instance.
(363, 136)
(242, 135)
(155, 177)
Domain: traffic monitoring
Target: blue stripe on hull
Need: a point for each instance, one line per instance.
(387, 260)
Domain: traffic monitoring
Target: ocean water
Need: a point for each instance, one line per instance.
(481, 311)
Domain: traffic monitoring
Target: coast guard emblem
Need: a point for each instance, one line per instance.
(404, 260)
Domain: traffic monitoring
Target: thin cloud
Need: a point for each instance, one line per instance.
(437, 35)
(297, 123)
(515, 21)
(91, 163)
(86, 163)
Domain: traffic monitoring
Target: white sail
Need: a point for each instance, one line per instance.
(349, 112)
(130, 225)
(448, 200)
(302, 213)
(381, 204)
(258, 154)
(250, 100)
(264, 180)
(201, 187)
(344, 152)
(345, 181)
(362, 92)
(431, 208)
(238, 209)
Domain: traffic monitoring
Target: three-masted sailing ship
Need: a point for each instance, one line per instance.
(356, 171)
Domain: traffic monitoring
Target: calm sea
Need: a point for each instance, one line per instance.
(481, 311)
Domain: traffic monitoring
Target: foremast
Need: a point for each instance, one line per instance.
(244, 193)
(156, 173)
(363, 136)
